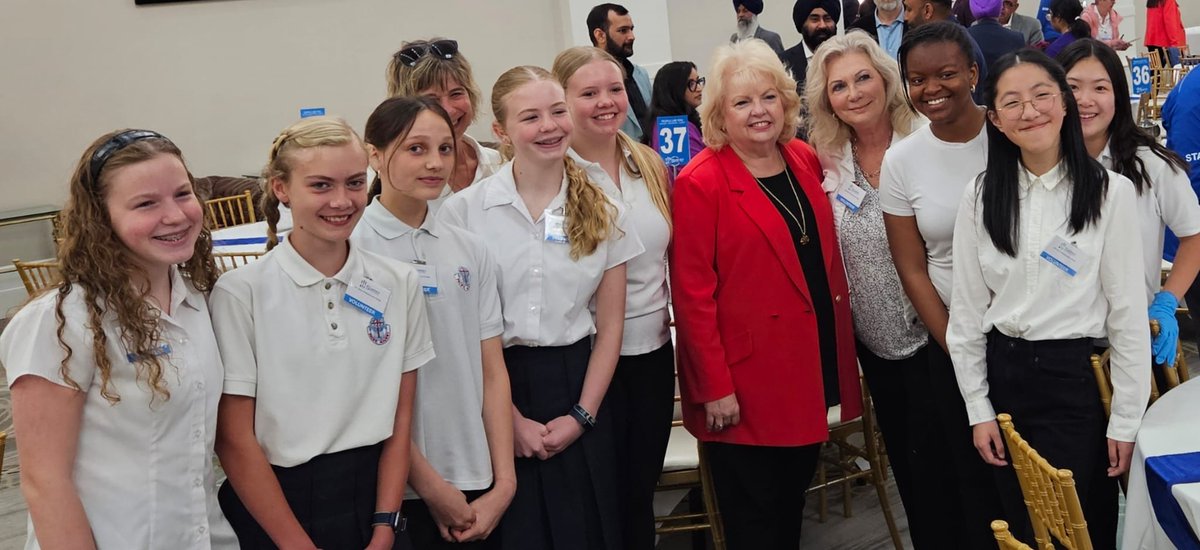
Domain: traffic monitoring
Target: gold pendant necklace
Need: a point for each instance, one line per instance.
(801, 221)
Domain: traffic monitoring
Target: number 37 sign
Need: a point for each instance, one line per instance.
(672, 140)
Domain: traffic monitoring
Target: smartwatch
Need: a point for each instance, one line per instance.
(390, 519)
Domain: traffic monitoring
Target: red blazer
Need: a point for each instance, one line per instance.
(743, 314)
(1164, 26)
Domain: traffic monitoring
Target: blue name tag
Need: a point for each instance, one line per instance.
(164, 349)
(312, 111)
(362, 306)
(673, 145)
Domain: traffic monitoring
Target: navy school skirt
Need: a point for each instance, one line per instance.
(570, 500)
(332, 496)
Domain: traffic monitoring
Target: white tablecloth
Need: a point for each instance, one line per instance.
(1169, 427)
(256, 231)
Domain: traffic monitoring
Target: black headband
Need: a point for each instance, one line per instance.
(114, 144)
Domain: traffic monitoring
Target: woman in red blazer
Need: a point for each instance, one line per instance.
(766, 343)
(1164, 29)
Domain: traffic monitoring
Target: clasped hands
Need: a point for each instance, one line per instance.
(534, 439)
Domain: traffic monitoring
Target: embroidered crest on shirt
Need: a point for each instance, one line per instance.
(379, 331)
(463, 277)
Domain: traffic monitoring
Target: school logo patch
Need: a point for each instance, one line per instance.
(463, 277)
(379, 331)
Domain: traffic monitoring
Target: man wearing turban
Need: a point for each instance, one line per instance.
(747, 25)
(816, 21)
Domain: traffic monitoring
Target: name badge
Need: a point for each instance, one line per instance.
(367, 297)
(1064, 255)
(164, 349)
(851, 195)
(556, 227)
(428, 276)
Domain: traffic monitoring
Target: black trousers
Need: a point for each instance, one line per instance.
(964, 479)
(898, 390)
(641, 403)
(1050, 391)
(422, 532)
(760, 491)
(332, 496)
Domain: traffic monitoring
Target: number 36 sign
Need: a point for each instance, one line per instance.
(1139, 70)
(672, 140)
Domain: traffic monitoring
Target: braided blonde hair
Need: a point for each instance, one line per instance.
(590, 216)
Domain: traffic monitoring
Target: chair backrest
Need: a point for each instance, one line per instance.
(1004, 539)
(1049, 492)
(233, 260)
(38, 276)
(229, 211)
(1172, 375)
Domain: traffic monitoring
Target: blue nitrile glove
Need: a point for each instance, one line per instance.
(1163, 311)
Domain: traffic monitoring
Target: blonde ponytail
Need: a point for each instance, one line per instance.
(590, 216)
(647, 164)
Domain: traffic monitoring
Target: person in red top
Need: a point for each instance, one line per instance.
(762, 310)
(1164, 29)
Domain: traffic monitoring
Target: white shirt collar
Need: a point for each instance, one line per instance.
(504, 191)
(1049, 180)
(390, 227)
(304, 274)
(182, 292)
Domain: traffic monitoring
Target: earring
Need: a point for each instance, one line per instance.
(972, 88)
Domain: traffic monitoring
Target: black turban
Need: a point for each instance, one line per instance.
(804, 8)
(755, 6)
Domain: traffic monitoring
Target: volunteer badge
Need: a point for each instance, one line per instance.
(463, 276)
(379, 331)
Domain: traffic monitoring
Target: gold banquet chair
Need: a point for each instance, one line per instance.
(685, 467)
(1004, 539)
(227, 261)
(229, 211)
(1049, 492)
(847, 466)
(38, 276)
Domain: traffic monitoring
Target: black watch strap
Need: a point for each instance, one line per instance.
(390, 519)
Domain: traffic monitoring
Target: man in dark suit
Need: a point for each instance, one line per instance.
(747, 23)
(992, 37)
(1027, 26)
(816, 20)
(885, 24)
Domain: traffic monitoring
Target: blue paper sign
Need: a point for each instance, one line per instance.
(1139, 72)
(312, 111)
(672, 139)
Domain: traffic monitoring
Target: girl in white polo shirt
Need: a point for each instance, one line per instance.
(1044, 263)
(320, 340)
(560, 245)
(462, 479)
(641, 396)
(115, 373)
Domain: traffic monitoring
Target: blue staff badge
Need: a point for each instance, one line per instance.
(463, 276)
(379, 331)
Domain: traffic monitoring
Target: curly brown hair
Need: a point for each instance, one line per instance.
(92, 257)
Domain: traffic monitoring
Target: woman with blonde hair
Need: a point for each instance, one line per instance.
(766, 344)
(641, 394)
(560, 244)
(320, 340)
(857, 109)
(115, 374)
(435, 68)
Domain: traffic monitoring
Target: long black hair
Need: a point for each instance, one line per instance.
(667, 97)
(999, 183)
(932, 33)
(1125, 137)
(1069, 11)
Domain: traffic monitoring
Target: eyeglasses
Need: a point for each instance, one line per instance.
(114, 144)
(1042, 103)
(413, 52)
(695, 84)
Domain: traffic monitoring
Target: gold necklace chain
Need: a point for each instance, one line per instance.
(801, 222)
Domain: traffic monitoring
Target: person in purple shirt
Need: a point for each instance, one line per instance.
(677, 91)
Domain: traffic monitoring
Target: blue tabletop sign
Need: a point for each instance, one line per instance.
(1139, 71)
(672, 140)
(312, 111)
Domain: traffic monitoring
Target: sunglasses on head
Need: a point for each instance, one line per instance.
(442, 49)
(695, 84)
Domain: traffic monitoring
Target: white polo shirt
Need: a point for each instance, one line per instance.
(143, 472)
(1169, 202)
(464, 309)
(647, 320)
(545, 294)
(923, 176)
(325, 375)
